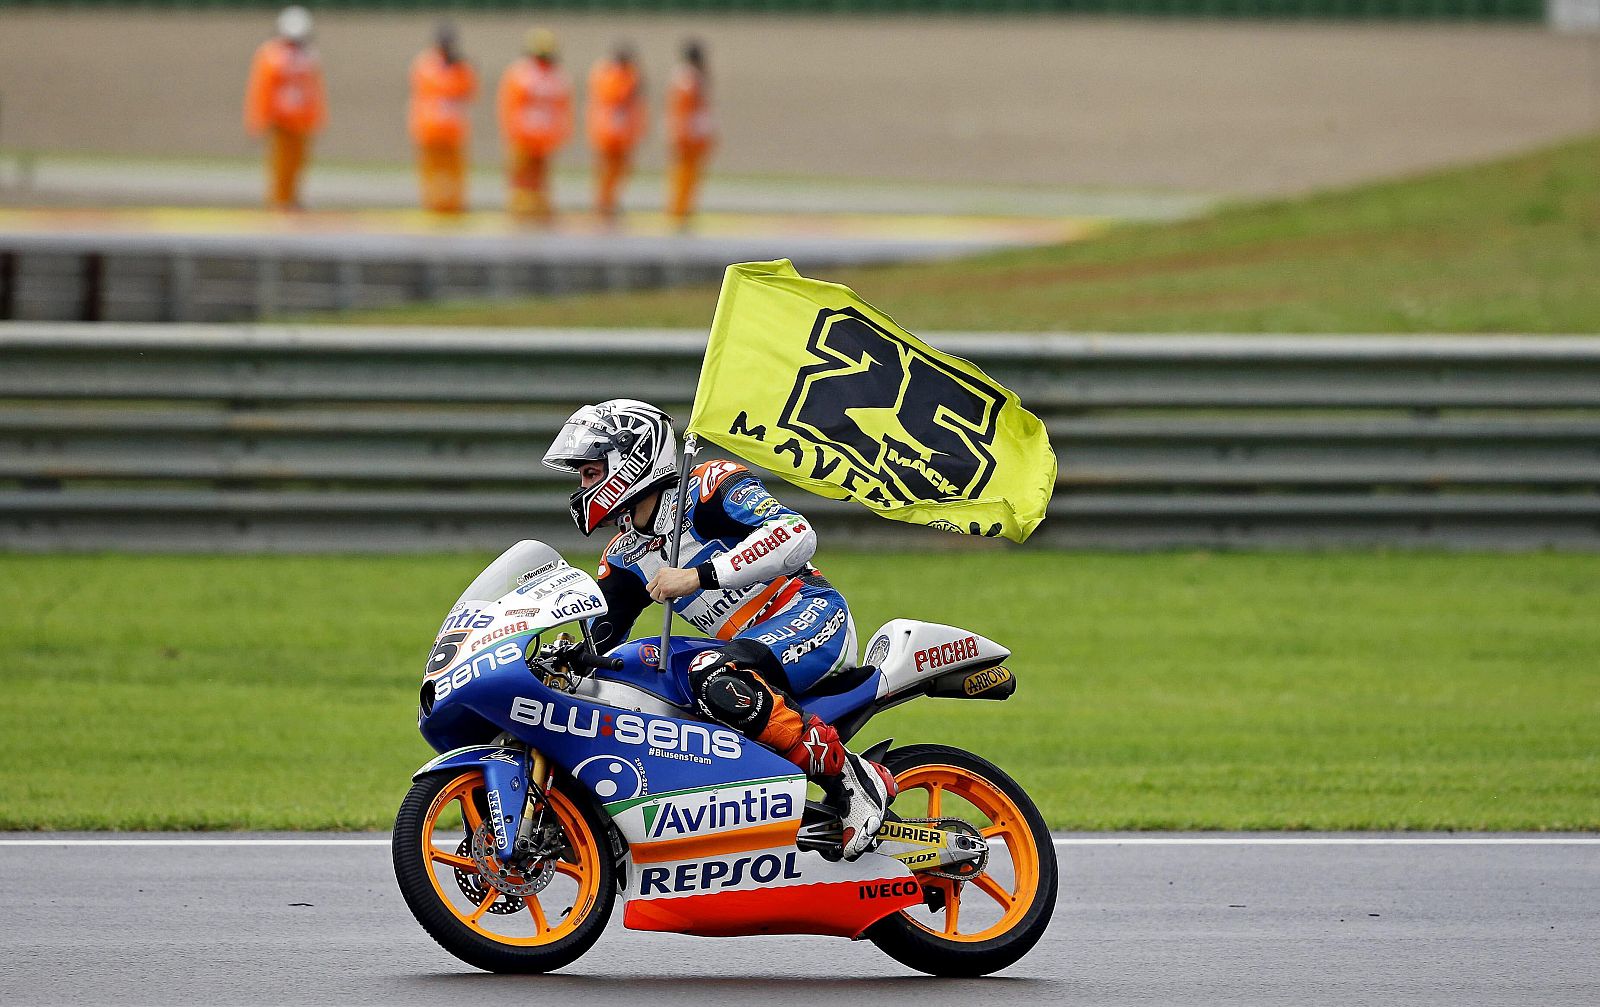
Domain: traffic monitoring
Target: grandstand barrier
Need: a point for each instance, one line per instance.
(236, 278)
(235, 438)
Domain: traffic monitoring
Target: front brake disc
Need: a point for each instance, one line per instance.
(534, 875)
(472, 887)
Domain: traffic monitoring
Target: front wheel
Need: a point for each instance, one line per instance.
(532, 915)
(986, 922)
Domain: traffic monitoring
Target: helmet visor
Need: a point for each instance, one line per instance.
(578, 442)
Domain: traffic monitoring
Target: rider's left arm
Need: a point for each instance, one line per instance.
(778, 548)
(776, 542)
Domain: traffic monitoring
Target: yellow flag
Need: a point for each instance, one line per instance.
(806, 379)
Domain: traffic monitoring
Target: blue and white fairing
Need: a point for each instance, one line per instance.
(478, 684)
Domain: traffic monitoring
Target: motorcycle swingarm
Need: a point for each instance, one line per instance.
(925, 846)
(945, 846)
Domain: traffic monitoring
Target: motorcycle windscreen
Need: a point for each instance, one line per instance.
(518, 564)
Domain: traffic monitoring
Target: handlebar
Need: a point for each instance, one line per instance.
(583, 660)
(579, 659)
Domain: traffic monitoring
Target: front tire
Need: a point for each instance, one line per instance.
(1009, 905)
(485, 927)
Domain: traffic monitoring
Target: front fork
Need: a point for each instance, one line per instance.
(531, 777)
(515, 780)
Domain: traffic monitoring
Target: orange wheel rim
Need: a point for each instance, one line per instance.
(1005, 824)
(583, 870)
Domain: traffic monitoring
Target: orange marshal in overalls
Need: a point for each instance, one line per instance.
(440, 92)
(616, 123)
(693, 135)
(284, 99)
(535, 110)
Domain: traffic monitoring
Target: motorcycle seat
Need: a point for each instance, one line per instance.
(843, 682)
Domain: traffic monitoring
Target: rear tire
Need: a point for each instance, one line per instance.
(526, 935)
(1012, 818)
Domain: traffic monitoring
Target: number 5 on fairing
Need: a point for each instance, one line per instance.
(567, 778)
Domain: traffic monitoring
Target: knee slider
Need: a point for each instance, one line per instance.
(729, 685)
(730, 697)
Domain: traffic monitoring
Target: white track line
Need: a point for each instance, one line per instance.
(1064, 841)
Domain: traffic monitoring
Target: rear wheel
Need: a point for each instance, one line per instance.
(986, 922)
(531, 915)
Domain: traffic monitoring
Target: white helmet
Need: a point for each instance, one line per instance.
(294, 23)
(633, 438)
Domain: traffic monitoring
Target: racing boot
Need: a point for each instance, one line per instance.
(868, 790)
(859, 789)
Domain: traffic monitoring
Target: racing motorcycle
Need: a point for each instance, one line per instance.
(568, 778)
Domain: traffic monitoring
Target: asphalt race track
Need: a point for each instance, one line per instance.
(1150, 920)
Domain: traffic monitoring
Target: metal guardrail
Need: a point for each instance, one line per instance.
(281, 438)
(115, 277)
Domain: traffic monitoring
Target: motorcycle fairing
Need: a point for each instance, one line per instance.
(618, 754)
(711, 819)
(910, 653)
(695, 802)
(708, 821)
(773, 891)
(641, 666)
(474, 627)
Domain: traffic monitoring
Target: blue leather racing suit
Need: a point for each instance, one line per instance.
(758, 591)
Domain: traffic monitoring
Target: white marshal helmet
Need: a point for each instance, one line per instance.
(638, 446)
(294, 23)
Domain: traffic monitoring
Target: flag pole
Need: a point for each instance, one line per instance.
(691, 447)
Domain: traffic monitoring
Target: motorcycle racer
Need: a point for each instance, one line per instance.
(746, 580)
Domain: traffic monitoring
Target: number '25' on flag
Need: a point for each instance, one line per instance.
(806, 379)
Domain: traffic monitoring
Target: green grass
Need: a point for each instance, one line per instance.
(1512, 246)
(1158, 691)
